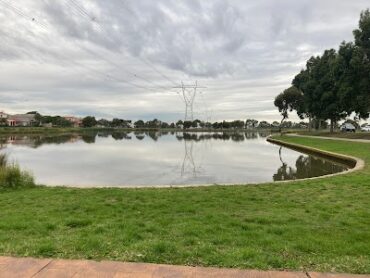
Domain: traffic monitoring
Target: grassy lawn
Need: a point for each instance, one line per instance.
(320, 225)
(348, 135)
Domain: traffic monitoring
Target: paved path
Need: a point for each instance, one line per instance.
(29, 267)
(331, 138)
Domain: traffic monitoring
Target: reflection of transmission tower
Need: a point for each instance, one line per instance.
(189, 92)
(188, 162)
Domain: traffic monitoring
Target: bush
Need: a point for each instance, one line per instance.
(11, 176)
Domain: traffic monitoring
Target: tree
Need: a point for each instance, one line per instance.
(237, 124)
(3, 122)
(328, 89)
(188, 124)
(179, 124)
(153, 124)
(251, 123)
(104, 123)
(287, 124)
(361, 63)
(56, 121)
(89, 121)
(362, 34)
(38, 117)
(288, 101)
(320, 91)
(196, 123)
(264, 124)
(117, 122)
(336, 84)
(120, 123)
(346, 77)
(165, 125)
(225, 124)
(308, 82)
(216, 125)
(139, 124)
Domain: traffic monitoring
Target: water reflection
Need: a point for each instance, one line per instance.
(166, 158)
(188, 165)
(306, 167)
(35, 141)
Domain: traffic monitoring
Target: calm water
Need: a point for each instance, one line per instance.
(152, 158)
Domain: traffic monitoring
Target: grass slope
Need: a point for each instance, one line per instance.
(347, 135)
(320, 225)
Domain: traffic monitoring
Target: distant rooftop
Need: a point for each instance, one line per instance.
(22, 117)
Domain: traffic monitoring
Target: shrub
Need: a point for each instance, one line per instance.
(11, 176)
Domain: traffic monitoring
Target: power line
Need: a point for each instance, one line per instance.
(125, 6)
(21, 13)
(82, 11)
(129, 72)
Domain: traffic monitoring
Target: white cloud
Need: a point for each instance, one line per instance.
(121, 58)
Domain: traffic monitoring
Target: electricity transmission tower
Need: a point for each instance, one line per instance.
(189, 92)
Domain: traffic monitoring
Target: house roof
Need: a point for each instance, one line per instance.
(22, 117)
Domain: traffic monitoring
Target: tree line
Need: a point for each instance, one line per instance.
(91, 121)
(334, 85)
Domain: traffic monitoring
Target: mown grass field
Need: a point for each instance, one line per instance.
(317, 225)
(347, 135)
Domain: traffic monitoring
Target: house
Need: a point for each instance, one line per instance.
(21, 120)
(76, 122)
(3, 115)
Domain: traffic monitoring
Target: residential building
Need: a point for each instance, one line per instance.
(3, 115)
(21, 120)
(76, 122)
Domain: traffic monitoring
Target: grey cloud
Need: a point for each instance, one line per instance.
(245, 52)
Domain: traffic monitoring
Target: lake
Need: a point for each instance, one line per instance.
(107, 159)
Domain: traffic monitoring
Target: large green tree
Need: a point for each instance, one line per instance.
(306, 83)
(361, 65)
(328, 90)
(89, 121)
(318, 84)
(288, 101)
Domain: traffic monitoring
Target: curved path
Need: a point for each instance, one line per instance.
(29, 267)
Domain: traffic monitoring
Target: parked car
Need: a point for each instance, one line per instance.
(348, 127)
(366, 128)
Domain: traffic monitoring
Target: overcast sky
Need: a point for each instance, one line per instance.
(121, 58)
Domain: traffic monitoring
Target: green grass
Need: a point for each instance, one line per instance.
(347, 135)
(316, 225)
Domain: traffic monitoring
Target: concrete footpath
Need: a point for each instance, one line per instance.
(29, 267)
